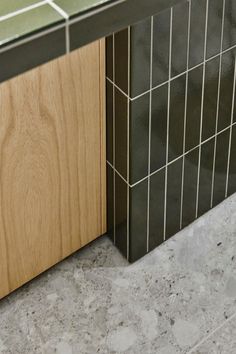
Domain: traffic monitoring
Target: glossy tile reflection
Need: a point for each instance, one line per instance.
(173, 143)
(139, 132)
(190, 187)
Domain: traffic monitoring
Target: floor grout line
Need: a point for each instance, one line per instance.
(211, 334)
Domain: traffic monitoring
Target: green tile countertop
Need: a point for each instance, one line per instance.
(33, 32)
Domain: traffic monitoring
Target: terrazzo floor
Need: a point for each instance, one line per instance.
(181, 298)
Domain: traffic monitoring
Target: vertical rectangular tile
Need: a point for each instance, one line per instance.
(197, 32)
(226, 91)
(232, 166)
(121, 52)
(138, 221)
(210, 98)
(121, 214)
(110, 202)
(176, 117)
(121, 118)
(215, 17)
(193, 118)
(205, 180)
(156, 213)
(173, 201)
(221, 167)
(229, 24)
(139, 138)
(109, 57)
(140, 50)
(190, 187)
(161, 44)
(159, 127)
(179, 38)
(109, 121)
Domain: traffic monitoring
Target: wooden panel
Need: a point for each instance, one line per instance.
(52, 164)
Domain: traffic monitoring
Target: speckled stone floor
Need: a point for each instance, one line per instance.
(181, 298)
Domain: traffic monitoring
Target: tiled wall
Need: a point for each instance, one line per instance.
(171, 122)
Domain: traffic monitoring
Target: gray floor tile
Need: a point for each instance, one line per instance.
(94, 302)
(222, 341)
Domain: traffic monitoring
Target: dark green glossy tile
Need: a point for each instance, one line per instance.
(221, 167)
(226, 90)
(110, 202)
(232, 169)
(138, 221)
(156, 210)
(139, 138)
(28, 23)
(190, 187)
(194, 108)
(109, 121)
(161, 44)
(121, 60)
(32, 54)
(75, 7)
(215, 16)
(173, 203)
(197, 32)
(229, 24)
(159, 127)
(140, 50)
(109, 57)
(176, 119)
(121, 133)
(210, 98)
(121, 215)
(205, 180)
(9, 6)
(179, 38)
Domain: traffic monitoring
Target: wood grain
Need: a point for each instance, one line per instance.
(52, 164)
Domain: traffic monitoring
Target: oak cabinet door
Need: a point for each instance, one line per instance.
(52, 164)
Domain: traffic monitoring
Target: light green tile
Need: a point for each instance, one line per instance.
(73, 7)
(28, 23)
(8, 6)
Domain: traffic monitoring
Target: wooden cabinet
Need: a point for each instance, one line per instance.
(52, 164)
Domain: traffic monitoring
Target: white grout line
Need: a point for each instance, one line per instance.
(202, 106)
(230, 136)
(185, 114)
(218, 104)
(114, 145)
(66, 17)
(168, 121)
(172, 161)
(211, 334)
(149, 132)
(96, 11)
(118, 88)
(21, 11)
(128, 146)
(174, 77)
